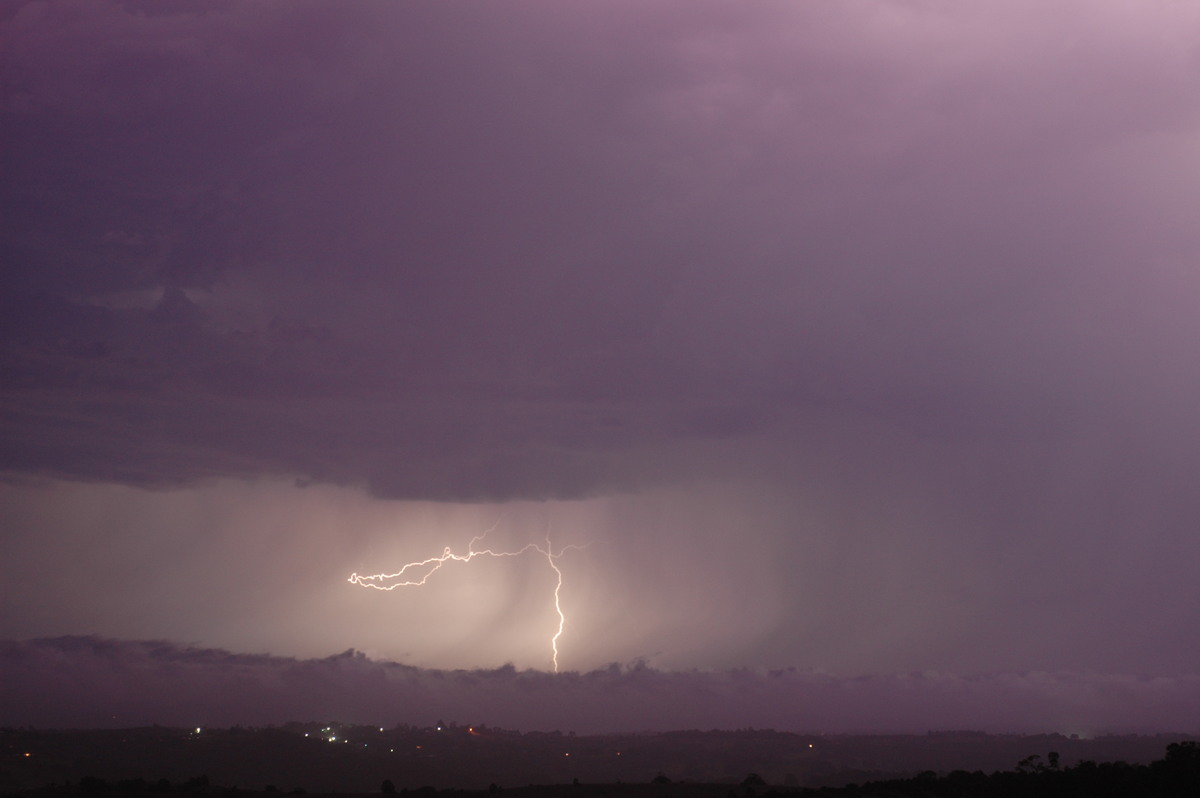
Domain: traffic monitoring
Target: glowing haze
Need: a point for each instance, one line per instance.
(423, 569)
(859, 338)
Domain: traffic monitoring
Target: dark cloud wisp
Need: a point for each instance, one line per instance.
(90, 682)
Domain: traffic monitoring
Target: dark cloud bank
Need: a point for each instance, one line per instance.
(884, 314)
(91, 682)
(536, 250)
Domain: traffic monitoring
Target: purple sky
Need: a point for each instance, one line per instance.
(859, 338)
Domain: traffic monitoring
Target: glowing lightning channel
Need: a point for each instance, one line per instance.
(428, 567)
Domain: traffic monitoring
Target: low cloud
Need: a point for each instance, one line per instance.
(95, 682)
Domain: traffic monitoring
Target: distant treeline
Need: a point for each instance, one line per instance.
(1176, 775)
(320, 758)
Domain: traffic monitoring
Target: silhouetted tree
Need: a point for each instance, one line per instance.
(1030, 764)
(1179, 772)
(387, 788)
(1183, 755)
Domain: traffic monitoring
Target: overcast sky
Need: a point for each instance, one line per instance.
(855, 337)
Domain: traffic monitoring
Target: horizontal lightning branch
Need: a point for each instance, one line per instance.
(415, 574)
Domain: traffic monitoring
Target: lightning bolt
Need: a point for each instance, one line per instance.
(415, 574)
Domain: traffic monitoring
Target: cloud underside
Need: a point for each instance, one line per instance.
(856, 336)
(541, 251)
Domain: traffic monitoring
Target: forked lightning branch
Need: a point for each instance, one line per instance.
(415, 574)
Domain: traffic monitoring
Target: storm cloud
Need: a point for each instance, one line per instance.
(533, 251)
(849, 337)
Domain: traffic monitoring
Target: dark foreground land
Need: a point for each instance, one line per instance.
(448, 761)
